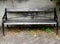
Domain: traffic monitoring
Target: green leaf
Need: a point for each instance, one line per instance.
(48, 30)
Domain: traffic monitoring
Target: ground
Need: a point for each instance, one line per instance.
(22, 35)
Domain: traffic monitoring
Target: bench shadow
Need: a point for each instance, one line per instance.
(19, 28)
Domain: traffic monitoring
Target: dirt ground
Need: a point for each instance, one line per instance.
(22, 35)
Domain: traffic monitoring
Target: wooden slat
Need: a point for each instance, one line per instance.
(27, 22)
(26, 10)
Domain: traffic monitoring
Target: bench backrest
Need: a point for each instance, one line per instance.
(28, 10)
(15, 10)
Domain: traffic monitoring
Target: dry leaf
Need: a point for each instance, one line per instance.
(16, 33)
(35, 35)
(57, 37)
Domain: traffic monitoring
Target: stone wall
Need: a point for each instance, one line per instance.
(24, 4)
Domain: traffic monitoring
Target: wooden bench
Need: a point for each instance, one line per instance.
(7, 21)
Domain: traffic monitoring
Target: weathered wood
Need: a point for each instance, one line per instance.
(28, 10)
(30, 21)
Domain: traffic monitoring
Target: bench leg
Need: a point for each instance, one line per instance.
(3, 29)
(7, 26)
(54, 25)
(57, 29)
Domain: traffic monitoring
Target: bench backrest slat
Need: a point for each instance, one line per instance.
(29, 10)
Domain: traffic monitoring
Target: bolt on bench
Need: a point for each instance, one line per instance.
(33, 13)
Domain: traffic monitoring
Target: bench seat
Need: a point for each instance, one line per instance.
(30, 21)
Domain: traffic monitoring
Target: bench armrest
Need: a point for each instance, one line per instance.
(4, 18)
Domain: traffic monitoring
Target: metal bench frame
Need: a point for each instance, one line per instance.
(4, 18)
